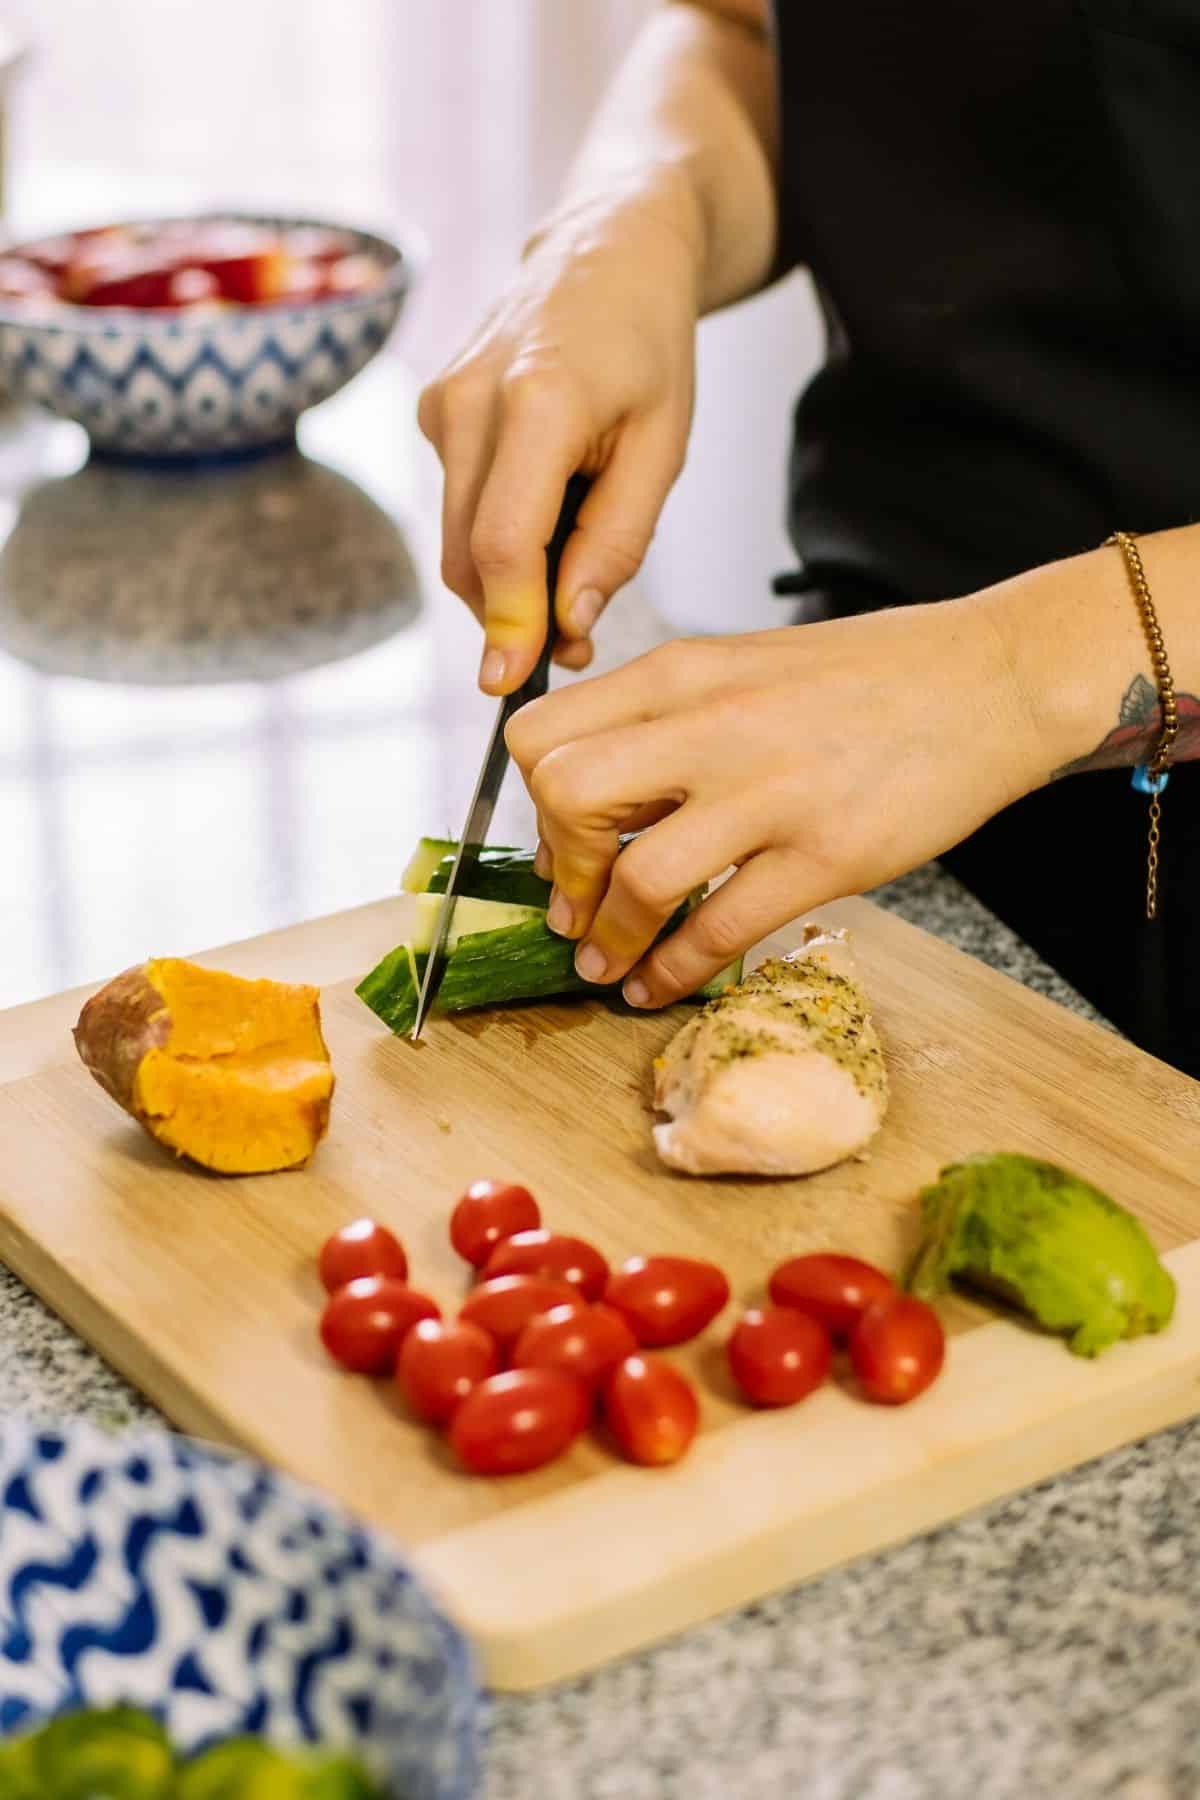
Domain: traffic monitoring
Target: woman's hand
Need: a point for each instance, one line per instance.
(820, 760)
(585, 364)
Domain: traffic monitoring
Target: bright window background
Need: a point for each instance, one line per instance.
(458, 114)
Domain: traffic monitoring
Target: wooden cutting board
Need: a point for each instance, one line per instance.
(203, 1291)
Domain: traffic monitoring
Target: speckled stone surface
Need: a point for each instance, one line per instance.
(1047, 1646)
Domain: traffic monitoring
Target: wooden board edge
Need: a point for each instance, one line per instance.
(536, 1616)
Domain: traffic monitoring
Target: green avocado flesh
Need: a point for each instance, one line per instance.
(1047, 1241)
(500, 949)
(120, 1753)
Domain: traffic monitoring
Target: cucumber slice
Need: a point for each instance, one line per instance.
(418, 917)
(498, 875)
(427, 856)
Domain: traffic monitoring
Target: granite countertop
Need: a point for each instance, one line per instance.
(1046, 1645)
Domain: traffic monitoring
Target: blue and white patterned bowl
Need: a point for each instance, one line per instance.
(155, 1571)
(158, 385)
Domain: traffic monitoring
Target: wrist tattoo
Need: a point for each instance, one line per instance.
(1139, 726)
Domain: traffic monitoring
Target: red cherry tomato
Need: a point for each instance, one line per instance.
(777, 1356)
(361, 1248)
(651, 1409)
(519, 1420)
(504, 1304)
(440, 1364)
(834, 1290)
(897, 1349)
(549, 1253)
(487, 1212)
(585, 1343)
(667, 1299)
(365, 1322)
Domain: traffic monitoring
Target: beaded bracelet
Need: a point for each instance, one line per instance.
(1151, 777)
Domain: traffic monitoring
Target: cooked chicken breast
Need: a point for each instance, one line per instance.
(782, 1075)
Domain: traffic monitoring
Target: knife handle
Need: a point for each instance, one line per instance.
(573, 498)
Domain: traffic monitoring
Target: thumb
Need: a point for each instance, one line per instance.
(616, 524)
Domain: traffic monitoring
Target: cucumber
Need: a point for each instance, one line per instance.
(499, 948)
(418, 917)
(428, 856)
(498, 875)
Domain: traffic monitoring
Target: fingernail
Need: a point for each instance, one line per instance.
(491, 669)
(559, 916)
(636, 992)
(590, 963)
(586, 608)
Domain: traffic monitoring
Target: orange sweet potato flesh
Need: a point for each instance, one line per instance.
(233, 1074)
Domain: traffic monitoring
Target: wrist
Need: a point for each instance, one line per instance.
(1073, 642)
(655, 209)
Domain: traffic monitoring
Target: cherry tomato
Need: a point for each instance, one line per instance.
(549, 1253)
(487, 1212)
(585, 1343)
(361, 1248)
(667, 1299)
(897, 1349)
(834, 1290)
(504, 1304)
(778, 1355)
(651, 1409)
(439, 1364)
(519, 1420)
(365, 1322)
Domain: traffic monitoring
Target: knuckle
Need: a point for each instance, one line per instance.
(716, 933)
(552, 783)
(528, 386)
(639, 882)
(686, 662)
(623, 546)
(458, 574)
(463, 395)
(495, 544)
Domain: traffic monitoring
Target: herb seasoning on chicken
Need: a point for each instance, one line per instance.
(781, 1075)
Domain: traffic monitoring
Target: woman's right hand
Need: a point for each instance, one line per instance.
(586, 363)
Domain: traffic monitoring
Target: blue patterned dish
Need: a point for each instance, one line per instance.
(223, 1597)
(161, 385)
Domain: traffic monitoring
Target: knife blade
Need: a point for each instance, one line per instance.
(495, 761)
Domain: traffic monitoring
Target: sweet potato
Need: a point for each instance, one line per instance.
(233, 1074)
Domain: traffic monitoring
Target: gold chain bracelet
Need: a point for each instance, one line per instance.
(1151, 777)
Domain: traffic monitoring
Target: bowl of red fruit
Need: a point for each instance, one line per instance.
(180, 339)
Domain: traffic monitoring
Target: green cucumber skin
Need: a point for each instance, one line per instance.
(505, 875)
(487, 968)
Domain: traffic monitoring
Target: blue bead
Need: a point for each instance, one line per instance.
(1143, 782)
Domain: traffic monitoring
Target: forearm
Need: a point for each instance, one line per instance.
(686, 137)
(1074, 635)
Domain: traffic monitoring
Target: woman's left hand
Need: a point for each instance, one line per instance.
(819, 760)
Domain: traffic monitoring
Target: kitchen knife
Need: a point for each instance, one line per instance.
(495, 761)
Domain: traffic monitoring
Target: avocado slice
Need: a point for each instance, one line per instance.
(1046, 1241)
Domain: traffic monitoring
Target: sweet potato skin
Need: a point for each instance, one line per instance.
(117, 1028)
(197, 1058)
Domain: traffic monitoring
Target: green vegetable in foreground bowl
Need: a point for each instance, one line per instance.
(1049, 1243)
(500, 948)
(120, 1753)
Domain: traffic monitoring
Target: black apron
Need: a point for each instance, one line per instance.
(1000, 207)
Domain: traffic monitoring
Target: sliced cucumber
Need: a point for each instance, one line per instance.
(427, 856)
(498, 875)
(499, 948)
(418, 917)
